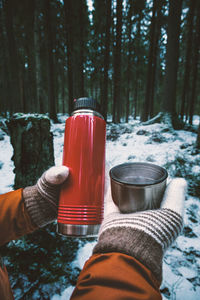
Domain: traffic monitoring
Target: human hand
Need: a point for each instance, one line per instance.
(145, 235)
(41, 200)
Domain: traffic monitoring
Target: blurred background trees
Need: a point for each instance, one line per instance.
(137, 58)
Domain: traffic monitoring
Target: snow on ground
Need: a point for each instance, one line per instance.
(6, 164)
(134, 142)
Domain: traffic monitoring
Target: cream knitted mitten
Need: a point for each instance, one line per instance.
(144, 235)
(41, 200)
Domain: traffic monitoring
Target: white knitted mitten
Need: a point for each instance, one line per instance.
(41, 200)
(144, 235)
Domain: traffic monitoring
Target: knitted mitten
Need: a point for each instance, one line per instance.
(41, 200)
(144, 235)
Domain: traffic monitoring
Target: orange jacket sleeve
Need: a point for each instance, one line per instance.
(115, 276)
(14, 219)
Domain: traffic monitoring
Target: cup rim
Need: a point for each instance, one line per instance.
(155, 181)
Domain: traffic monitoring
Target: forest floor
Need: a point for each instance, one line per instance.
(135, 142)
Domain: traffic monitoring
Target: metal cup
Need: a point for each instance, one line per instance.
(137, 186)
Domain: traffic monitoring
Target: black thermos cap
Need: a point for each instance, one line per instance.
(87, 103)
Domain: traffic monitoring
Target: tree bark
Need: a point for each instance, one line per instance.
(117, 65)
(4, 72)
(130, 50)
(69, 40)
(81, 50)
(137, 64)
(149, 82)
(155, 55)
(106, 60)
(51, 83)
(38, 80)
(14, 73)
(195, 65)
(172, 55)
(32, 142)
(187, 70)
(30, 46)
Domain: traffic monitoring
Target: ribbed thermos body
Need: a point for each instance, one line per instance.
(82, 197)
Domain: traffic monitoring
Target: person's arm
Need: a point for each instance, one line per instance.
(24, 210)
(115, 276)
(127, 260)
(14, 218)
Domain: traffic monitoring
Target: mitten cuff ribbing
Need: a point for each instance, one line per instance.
(143, 235)
(135, 243)
(163, 225)
(41, 201)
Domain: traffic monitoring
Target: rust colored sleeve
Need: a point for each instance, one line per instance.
(5, 288)
(115, 276)
(14, 219)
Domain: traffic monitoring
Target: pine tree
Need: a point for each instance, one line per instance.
(69, 41)
(106, 59)
(194, 71)
(187, 70)
(172, 55)
(51, 86)
(15, 78)
(117, 65)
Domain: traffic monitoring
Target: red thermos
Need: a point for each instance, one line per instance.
(80, 211)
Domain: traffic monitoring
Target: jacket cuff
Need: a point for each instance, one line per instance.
(134, 243)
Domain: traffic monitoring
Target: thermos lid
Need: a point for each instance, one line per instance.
(87, 103)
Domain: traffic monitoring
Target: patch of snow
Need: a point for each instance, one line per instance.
(83, 254)
(196, 169)
(185, 291)
(196, 120)
(187, 272)
(66, 294)
(6, 172)
(58, 140)
(29, 115)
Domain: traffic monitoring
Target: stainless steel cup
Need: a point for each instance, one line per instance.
(137, 186)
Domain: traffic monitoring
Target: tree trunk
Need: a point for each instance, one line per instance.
(135, 98)
(14, 70)
(130, 49)
(81, 50)
(29, 29)
(69, 40)
(172, 55)
(106, 60)
(186, 80)
(4, 72)
(195, 64)
(117, 65)
(149, 82)
(155, 55)
(63, 91)
(137, 58)
(32, 142)
(137, 63)
(38, 80)
(51, 83)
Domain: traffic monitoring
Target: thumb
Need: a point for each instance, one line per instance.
(109, 205)
(174, 195)
(57, 175)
